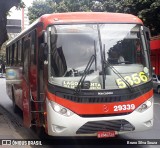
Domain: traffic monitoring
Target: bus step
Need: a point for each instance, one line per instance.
(35, 101)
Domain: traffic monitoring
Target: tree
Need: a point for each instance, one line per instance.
(73, 5)
(5, 6)
(40, 7)
(151, 16)
(147, 10)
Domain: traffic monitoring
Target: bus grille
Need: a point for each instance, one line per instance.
(92, 96)
(105, 99)
(96, 126)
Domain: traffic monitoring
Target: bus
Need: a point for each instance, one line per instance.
(82, 74)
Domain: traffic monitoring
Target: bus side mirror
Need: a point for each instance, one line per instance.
(43, 52)
(44, 34)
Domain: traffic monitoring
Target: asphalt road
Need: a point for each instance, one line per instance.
(141, 138)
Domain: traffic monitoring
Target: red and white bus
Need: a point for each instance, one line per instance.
(82, 74)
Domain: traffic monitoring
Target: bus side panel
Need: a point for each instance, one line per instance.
(26, 104)
(17, 91)
(9, 89)
(13, 85)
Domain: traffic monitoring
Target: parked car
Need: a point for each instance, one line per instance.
(156, 83)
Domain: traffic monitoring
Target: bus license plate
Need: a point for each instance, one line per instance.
(106, 134)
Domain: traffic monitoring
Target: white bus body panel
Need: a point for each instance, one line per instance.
(59, 125)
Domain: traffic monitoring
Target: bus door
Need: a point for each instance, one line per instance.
(33, 76)
(26, 44)
(30, 78)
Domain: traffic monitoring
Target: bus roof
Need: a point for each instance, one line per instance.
(87, 17)
(81, 17)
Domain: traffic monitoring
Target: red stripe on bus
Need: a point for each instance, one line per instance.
(100, 108)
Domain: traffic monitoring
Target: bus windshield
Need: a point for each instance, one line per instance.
(72, 46)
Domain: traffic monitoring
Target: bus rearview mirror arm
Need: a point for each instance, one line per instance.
(43, 55)
(44, 34)
(43, 52)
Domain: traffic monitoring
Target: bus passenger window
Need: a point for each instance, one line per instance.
(33, 47)
(19, 52)
(15, 53)
(12, 54)
(26, 61)
(7, 53)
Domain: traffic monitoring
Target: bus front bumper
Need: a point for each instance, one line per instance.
(75, 125)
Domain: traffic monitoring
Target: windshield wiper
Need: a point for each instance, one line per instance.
(115, 71)
(86, 71)
(104, 62)
(120, 76)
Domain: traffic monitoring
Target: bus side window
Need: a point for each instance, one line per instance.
(19, 52)
(33, 47)
(15, 54)
(7, 52)
(25, 55)
(11, 54)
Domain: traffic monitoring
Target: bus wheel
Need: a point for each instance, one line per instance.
(158, 90)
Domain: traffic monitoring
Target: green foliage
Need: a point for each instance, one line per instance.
(72, 5)
(21, 5)
(151, 16)
(39, 8)
(147, 10)
(5, 6)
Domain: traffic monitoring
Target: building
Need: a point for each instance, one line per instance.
(21, 15)
(13, 26)
(155, 54)
(16, 22)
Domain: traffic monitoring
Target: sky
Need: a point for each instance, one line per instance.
(17, 14)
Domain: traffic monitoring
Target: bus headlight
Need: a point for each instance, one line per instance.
(61, 110)
(145, 106)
